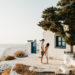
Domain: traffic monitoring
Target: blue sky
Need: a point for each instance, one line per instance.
(19, 19)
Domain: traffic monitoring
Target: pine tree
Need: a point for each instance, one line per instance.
(57, 19)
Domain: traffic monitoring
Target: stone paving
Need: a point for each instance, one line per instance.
(34, 62)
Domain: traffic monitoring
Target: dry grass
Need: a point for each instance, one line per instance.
(23, 70)
(20, 69)
(73, 72)
(6, 72)
(71, 66)
(19, 54)
(8, 58)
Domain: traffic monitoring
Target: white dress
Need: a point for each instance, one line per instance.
(46, 54)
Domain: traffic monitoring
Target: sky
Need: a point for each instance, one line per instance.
(19, 19)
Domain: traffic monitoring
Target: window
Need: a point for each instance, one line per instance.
(59, 42)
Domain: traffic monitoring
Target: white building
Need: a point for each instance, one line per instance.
(57, 45)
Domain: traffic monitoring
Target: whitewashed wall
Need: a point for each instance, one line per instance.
(28, 48)
(54, 52)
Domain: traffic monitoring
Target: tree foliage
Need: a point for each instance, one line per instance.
(55, 19)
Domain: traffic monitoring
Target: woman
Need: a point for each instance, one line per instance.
(46, 51)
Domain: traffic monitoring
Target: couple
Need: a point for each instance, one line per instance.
(44, 51)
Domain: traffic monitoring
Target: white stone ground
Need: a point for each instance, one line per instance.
(34, 61)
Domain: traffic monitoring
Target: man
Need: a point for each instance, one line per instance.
(42, 49)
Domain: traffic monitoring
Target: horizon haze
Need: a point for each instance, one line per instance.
(19, 19)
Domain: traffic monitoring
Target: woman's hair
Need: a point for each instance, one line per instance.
(47, 45)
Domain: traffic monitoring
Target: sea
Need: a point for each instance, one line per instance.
(4, 47)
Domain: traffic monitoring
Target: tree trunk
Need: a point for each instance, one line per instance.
(71, 47)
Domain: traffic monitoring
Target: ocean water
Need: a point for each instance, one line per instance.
(4, 47)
